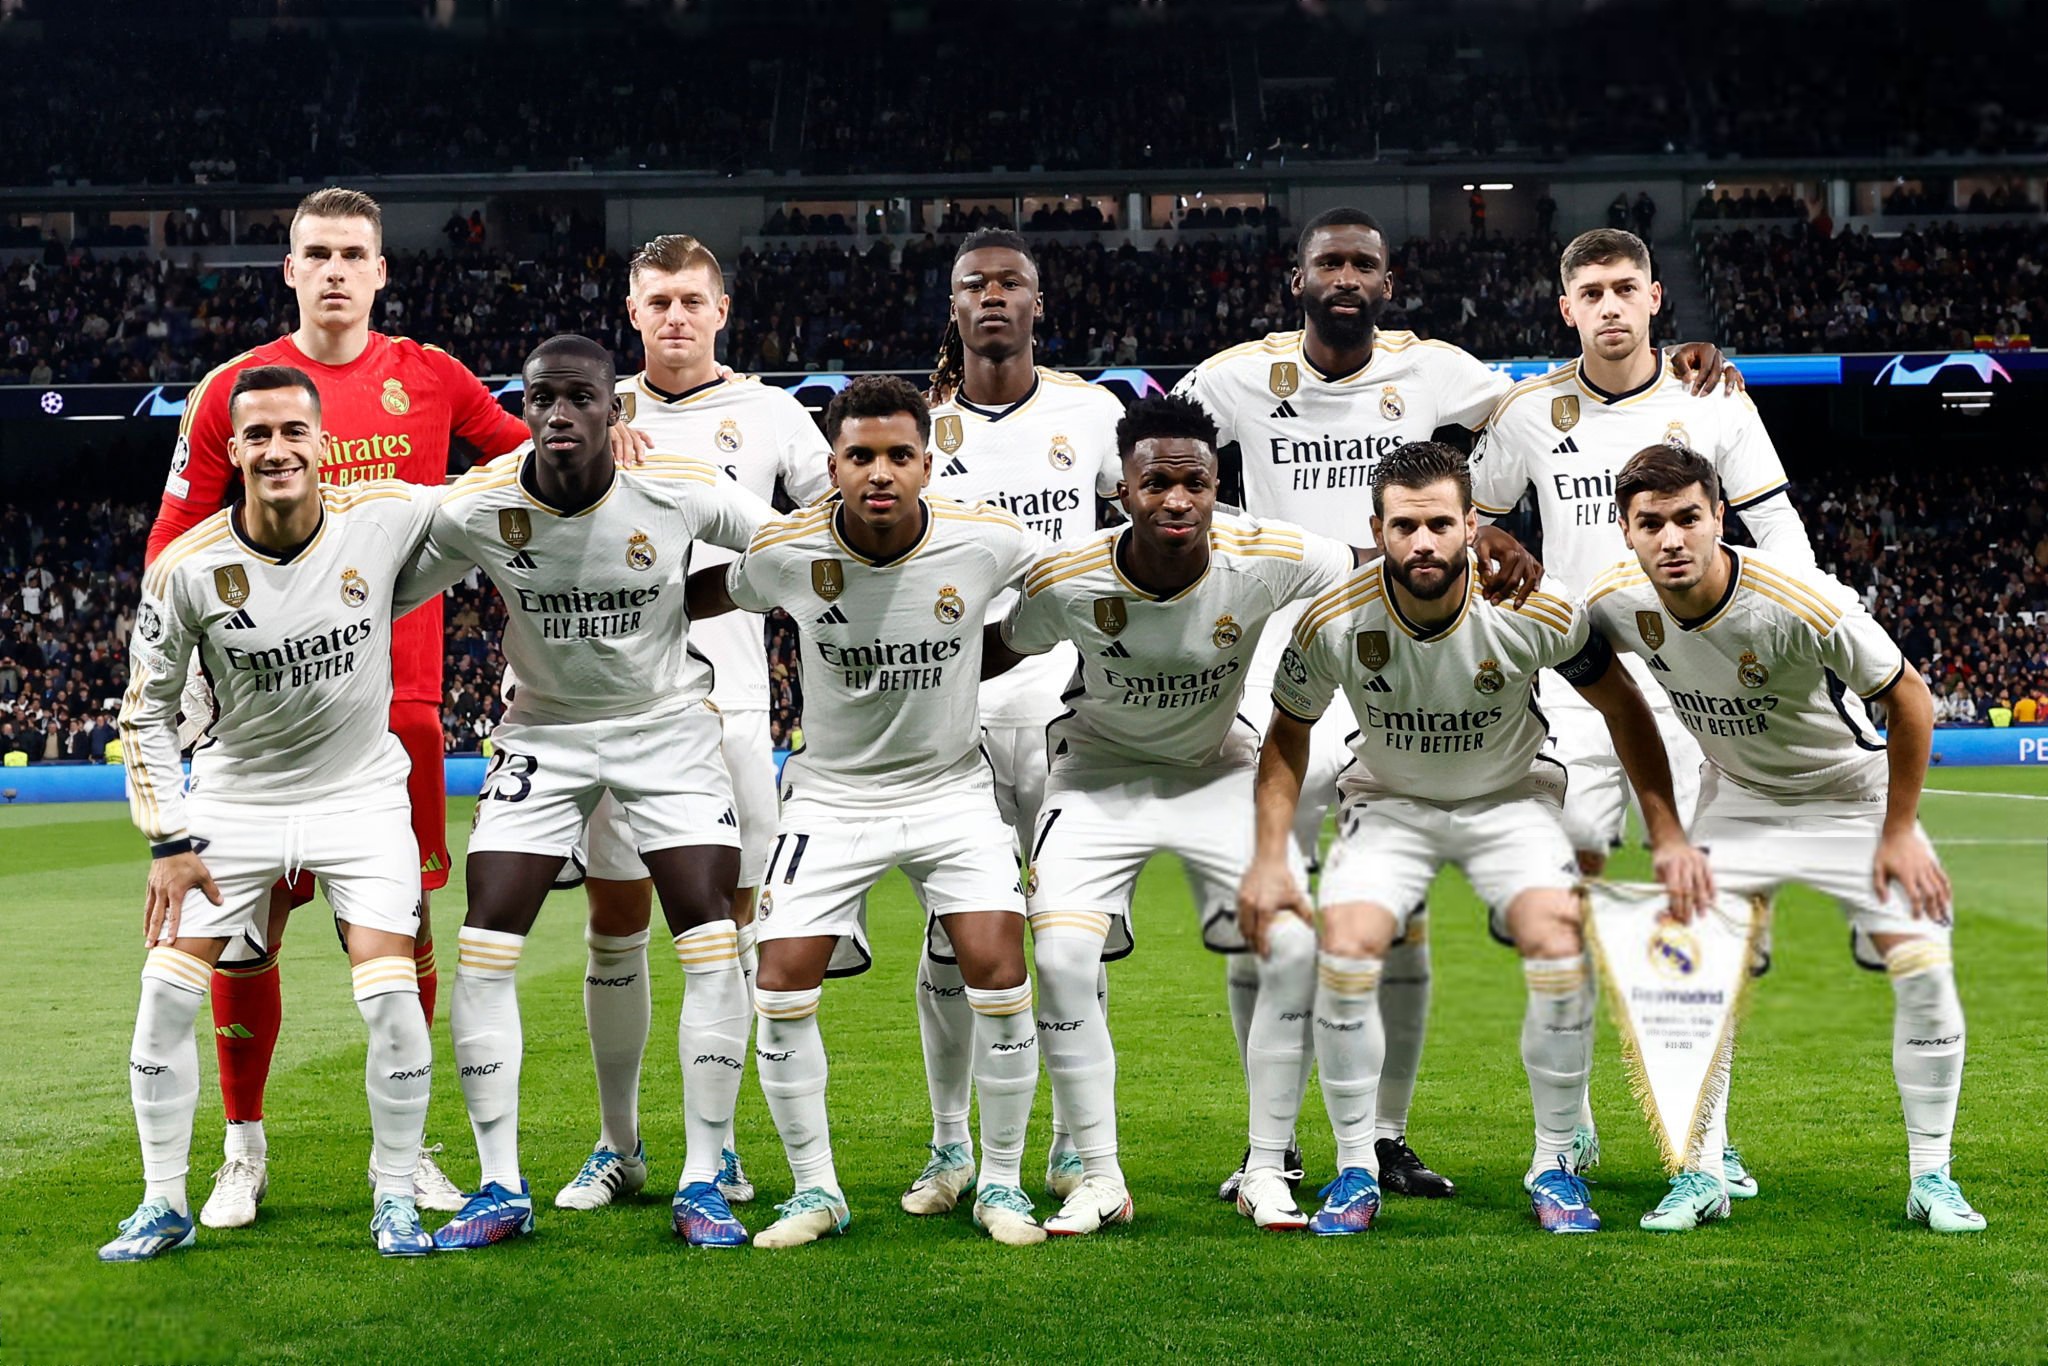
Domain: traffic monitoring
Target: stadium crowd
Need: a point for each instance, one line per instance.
(1976, 625)
(1936, 288)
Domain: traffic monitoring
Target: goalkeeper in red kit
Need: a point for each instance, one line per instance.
(390, 407)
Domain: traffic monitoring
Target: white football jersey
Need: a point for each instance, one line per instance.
(1310, 442)
(1444, 715)
(891, 652)
(1568, 439)
(297, 651)
(1773, 682)
(594, 619)
(1045, 459)
(757, 434)
(1161, 679)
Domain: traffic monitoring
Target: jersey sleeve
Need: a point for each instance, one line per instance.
(1306, 678)
(1204, 385)
(159, 652)
(1500, 470)
(1471, 389)
(1020, 550)
(1749, 465)
(730, 513)
(1032, 625)
(1110, 471)
(1860, 652)
(442, 557)
(474, 413)
(1323, 565)
(1591, 663)
(752, 581)
(1561, 625)
(197, 485)
(803, 456)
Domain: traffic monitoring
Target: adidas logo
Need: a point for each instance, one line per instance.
(833, 616)
(1285, 409)
(1565, 447)
(1377, 684)
(1116, 650)
(1657, 662)
(729, 819)
(523, 560)
(955, 466)
(240, 621)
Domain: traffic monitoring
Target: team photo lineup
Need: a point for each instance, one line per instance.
(1043, 635)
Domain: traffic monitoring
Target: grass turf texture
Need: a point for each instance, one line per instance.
(1823, 1266)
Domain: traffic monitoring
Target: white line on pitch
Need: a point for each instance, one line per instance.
(2034, 844)
(2002, 796)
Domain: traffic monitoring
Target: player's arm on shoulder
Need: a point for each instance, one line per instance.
(1030, 627)
(1703, 369)
(734, 513)
(441, 557)
(752, 582)
(804, 453)
(1507, 570)
(705, 594)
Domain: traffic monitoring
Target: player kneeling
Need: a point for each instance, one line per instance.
(889, 589)
(1449, 770)
(286, 599)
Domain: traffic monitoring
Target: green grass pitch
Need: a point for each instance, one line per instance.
(1822, 1267)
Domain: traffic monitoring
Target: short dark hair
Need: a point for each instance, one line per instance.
(1009, 239)
(259, 378)
(877, 396)
(1164, 415)
(1419, 464)
(1666, 467)
(575, 344)
(1598, 248)
(1340, 217)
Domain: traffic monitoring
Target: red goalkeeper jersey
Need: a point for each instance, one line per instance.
(388, 414)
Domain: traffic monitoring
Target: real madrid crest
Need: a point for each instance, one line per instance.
(1650, 626)
(231, 582)
(828, 578)
(946, 432)
(1675, 435)
(1227, 632)
(1372, 649)
(951, 606)
(1062, 453)
(354, 590)
(1391, 407)
(1751, 670)
(1489, 679)
(728, 438)
(640, 551)
(1564, 412)
(515, 528)
(1110, 616)
(395, 401)
(1284, 378)
(1672, 951)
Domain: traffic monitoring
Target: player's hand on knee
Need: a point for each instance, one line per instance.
(1506, 568)
(170, 878)
(1906, 860)
(1687, 879)
(1268, 890)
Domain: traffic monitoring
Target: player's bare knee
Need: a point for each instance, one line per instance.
(619, 909)
(1546, 924)
(506, 889)
(1359, 929)
(696, 883)
(794, 964)
(1592, 862)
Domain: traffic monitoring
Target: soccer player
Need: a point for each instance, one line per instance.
(286, 599)
(1449, 769)
(1153, 756)
(1773, 665)
(590, 559)
(390, 408)
(889, 588)
(1565, 434)
(1308, 415)
(758, 434)
(1042, 445)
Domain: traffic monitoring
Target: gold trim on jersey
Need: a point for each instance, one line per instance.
(1563, 374)
(530, 496)
(794, 527)
(1361, 588)
(156, 579)
(1765, 589)
(1268, 541)
(251, 548)
(483, 479)
(1805, 592)
(955, 511)
(683, 400)
(1651, 390)
(1444, 631)
(1628, 574)
(1548, 609)
(1755, 496)
(1047, 574)
(133, 754)
(1147, 594)
(1891, 681)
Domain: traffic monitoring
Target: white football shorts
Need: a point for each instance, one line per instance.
(1597, 802)
(608, 848)
(1016, 755)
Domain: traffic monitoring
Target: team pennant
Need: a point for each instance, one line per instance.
(1676, 992)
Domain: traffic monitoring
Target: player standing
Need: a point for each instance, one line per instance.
(1041, 444)
(1154, 757)
(1566, 434)
(286, 600)
(1449, 769)
(1311, 413)
(590, 559)
(889, 589)
(758, 434)
(390, 407)
(1772, 665)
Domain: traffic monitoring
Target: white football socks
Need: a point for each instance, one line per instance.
(1351, 1043)
(1554, 1027)
(711, 1041)
(1005, 1077)
(1067, 951)
(163, 1070)
(1404, 1013)
(489, 1047)
(1277, 1047)
(791, 1057)
(397, 1069)
(945, 1027)
(1241, 986)
(1927, 1049)
(618, 1005)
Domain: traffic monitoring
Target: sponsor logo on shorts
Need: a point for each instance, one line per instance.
(482, 1069)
